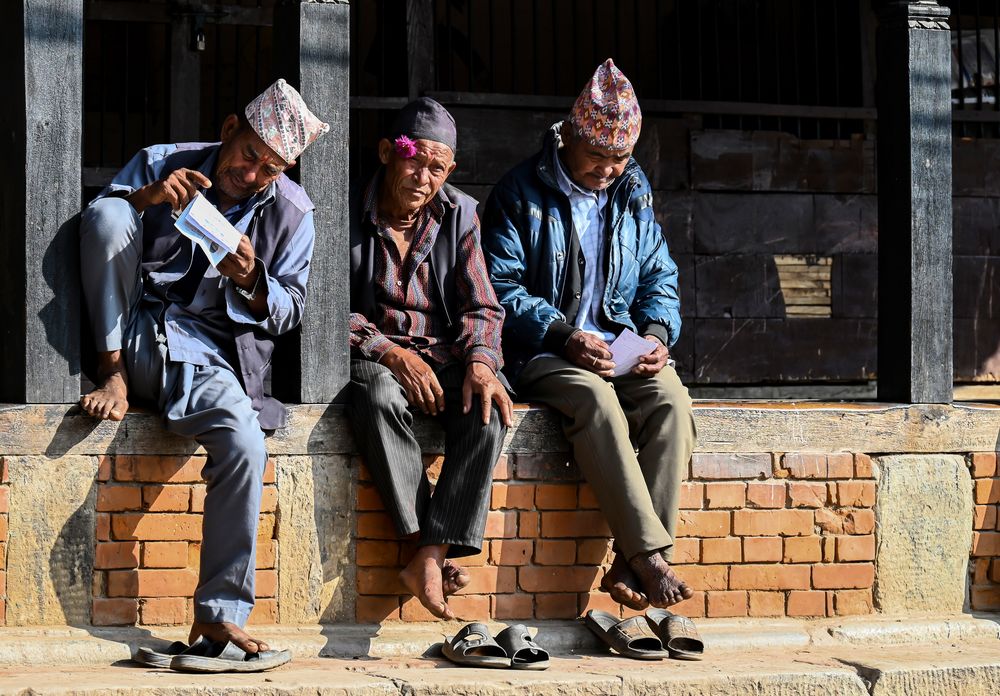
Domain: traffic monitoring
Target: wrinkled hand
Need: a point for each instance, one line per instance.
(241, 267)
(651, 363)
(422, 388)
(177, 189)
(591, 353)
(480, 381)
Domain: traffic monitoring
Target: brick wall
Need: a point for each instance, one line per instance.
(149, 539)
(985, 563)
(4, 512)
(759, 535)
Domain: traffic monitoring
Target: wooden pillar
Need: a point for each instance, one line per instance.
(419, 47)
(312, 52)
(913, 92)
(41, 125)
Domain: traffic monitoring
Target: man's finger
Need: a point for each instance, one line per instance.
(486, 404)
(506, 407)
(437, 392)
(466, 396)
(198, 178)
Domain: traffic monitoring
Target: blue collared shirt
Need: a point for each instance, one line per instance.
(200, 332)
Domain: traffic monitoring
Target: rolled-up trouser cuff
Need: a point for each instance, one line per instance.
(234, 614)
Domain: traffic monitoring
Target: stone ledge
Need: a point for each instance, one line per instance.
(58, 430)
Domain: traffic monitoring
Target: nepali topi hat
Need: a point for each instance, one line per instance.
(606, 114)
(281, 118)
(424, 119)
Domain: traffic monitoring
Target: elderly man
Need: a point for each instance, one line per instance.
(425, 335)
(195, 341)
(576, 257)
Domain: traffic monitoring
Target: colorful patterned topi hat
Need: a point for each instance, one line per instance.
(281, 118)
(606, 114)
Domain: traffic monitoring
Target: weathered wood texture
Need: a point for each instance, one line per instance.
(915, 361)
(39, 313)
(419, 47)
(739, 427)
(313, 52)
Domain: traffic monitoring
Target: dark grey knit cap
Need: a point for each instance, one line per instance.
(425, 119)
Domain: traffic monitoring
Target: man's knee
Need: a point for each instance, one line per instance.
(375, 392)
(593, 393)
(109, 224)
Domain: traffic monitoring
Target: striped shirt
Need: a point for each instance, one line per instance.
(408, 309)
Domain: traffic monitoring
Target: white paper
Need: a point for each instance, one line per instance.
(202, 222)
(627, 349)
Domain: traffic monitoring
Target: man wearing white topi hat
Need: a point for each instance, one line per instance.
(194, 341)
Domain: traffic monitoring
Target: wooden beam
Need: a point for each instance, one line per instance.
(163, 13)
(39, 199)
(915, 362)
(419, 47)
(185, 83)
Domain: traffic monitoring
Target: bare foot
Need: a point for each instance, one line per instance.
(623, 585)
(453, 578)
(422, 579)
(109, 400)
(663, 588)
(222, 632)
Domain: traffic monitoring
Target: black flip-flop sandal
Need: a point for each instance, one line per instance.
(473, 646)
(678, 634)
(210, 656)
(159, 658)
(629, 638)
(523, 651)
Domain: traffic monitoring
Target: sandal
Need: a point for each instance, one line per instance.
(678, 633)
(520, 647)
(629, 638)
(473, 646)
(153, 658)
(210, 656)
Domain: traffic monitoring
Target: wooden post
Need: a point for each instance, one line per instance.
(41, 125)
(419, 47)
(312, 52)
(185, 82)
(914, 203)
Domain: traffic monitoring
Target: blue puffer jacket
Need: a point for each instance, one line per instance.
(532, 251)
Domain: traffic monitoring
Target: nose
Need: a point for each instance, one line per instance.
(423, 176)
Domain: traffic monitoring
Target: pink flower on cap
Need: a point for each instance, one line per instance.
(606, 114)
(405, 147)
(281, 118)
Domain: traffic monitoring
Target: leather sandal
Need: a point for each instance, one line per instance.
(678, 633)
(629, 638)
(473, 646)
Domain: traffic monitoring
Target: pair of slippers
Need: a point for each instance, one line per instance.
(513, 648)
(211, 657)
(654, 636)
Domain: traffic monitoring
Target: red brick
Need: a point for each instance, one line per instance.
(694, 523)
(103, 532)
(152, 583)
(985, 517)
(556, 497)
(157, 469)
(194, 555)
(4, 474)
(266, 583)
(470, 607)
(557, 579)
(805, 465)
(117, 555)
(986, 544)
(772, 522)
(724, 550)
(163, 611)
(269, 499)
(995, 571)
(856, 493)
(117, 498)
(987, 491)
(482, 580)
(807, 603)
(513, 606)
(265, 611)
(513, 552)
(266, 526)
(270, 475)
(726, 603)
(598, 600)
(980, 568)
(863, 466)
(157, 527)
(692, 495)
(166, 498)
(376, 525)
(725, 495)
(986, 598)
(432, 466)
(575, 524)
(856, 548)
(984, 464)
(362, 469)
(4, 500)
(762, 549)
(853, 602)
(802, 550)
(104, 463)
(376, 553)
(588, 501)
(198, 492)
(375, 609)
(3, 526)
(807, 495)
(590, 551)
(267, 554)
(766, 604)
(766, 494)
(686, 551)
(504, 468)
(380, 581)
(840, 466)
(559, 605)
(479, 559)
(3, 556)
(769, 577)
(692, 608)
(114, 612)
(704, 577)
(501, 524)
(551, 552)
(845, 521)
(838, 576)
(730, 466)
(528, 525)
(518, 496)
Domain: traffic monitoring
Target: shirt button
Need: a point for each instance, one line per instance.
(576, 295)
(559, 255)
(399, 283)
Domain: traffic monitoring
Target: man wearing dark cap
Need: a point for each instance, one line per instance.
(425, 335)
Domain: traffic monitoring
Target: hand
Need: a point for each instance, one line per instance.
(422, 388)
(241, 267)
(177, 189)
(480, 380)
(651, 363)
(591, 353)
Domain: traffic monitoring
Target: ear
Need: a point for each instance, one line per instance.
(384, 150)
(451, 168)
(230, 127)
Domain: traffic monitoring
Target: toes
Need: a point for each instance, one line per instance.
(686, 592)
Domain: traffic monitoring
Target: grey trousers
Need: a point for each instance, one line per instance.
(383, 426)
(632, 438)
(205, 403)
